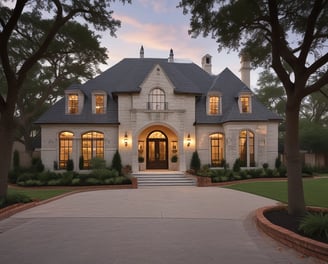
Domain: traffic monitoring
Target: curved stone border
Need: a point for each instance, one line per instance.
(302, 244)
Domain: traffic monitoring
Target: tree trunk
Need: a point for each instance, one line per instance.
(6, 146)
(296, 203)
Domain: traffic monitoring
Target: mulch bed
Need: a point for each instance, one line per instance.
(283, 219)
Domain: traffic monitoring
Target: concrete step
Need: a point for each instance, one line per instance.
(164, 179)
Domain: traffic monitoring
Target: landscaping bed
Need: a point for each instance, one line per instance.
(292, 223)
(275, 222)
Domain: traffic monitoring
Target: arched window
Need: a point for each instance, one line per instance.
(246, 148)
(92, 146)
(217, 149)
(65, 148)
(156, 100)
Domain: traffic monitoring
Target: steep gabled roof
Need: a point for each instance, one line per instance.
(188, 78)
(127, 76)
(230, 87)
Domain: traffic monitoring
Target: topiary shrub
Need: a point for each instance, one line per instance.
(16, 161)
(81, 163)
(37, 165)
(117, 163)
(277, 163)
(236, 165)
(69, 165)
(195, 162)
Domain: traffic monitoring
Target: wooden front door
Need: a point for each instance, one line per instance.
(157, 151)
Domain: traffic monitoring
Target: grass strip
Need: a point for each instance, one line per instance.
(38, 194)
(315, 190)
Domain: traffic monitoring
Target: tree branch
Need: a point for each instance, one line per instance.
(310, 27)
(4, 38)
(277, 46)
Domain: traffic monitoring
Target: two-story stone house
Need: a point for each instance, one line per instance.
(158, 109)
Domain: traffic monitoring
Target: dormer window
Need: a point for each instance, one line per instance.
(245, 104)
(214, 104)
(74, 101)
(99, 102)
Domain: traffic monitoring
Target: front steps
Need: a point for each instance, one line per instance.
(163, 178)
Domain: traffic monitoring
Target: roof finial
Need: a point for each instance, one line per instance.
(142, 53)
(171, 57)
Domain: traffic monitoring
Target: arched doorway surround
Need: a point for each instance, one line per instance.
(158, 146)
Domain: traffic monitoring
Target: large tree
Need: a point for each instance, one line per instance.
(276, 33)
(96, 13)
(72, 57)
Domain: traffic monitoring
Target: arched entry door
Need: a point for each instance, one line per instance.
(157, 150)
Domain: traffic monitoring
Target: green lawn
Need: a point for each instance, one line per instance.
(315, 190)
(38, 194)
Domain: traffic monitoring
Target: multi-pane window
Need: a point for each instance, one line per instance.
(73, 103)
(217, 149)
(65, 148)
(99, 103)
(214, 105)
(92, 146)
(156, 100)
(245, 104)
(246, 148)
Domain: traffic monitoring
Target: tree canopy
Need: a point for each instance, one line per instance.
(56, 14)
(73, 56)
(289, 36)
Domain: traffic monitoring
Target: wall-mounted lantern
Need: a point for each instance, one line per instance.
(188, 140)
(125, 139)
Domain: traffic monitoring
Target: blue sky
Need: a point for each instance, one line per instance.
(160, 26)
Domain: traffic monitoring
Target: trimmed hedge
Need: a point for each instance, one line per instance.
(71, 178)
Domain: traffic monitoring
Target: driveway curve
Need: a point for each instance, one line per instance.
(168, 225)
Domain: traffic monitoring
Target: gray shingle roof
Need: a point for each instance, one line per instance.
(230, 86)
(127, 76)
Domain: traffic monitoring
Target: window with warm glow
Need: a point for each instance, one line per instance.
(245, 104)
(92, 147)
(214, 105)
(73, 103)
(217, 149)
(100, 103)
(246, 148)
(65, 148)
(156, 100)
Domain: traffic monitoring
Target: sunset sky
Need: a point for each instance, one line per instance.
(160, 26)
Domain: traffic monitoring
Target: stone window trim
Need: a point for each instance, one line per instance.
(74, 102)
(157, 100)
(245, 103)
(99, 102)
(214, 104)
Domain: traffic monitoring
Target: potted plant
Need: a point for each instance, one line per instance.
(174, 159)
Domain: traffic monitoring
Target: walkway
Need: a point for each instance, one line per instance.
(168, 225)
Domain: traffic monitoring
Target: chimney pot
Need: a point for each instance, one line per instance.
(171, 57)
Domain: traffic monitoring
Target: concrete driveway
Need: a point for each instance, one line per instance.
(168, 225)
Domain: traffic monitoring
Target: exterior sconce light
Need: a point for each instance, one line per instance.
(126, 139)
(188, 140)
